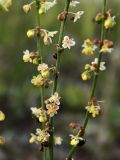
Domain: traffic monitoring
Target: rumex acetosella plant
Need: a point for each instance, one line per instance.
(48, 76)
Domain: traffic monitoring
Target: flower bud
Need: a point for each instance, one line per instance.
(45, 74)
(42, 11)
(99, 17)
(85, 76)
(42, 119)
(27, 8)
(30, 33)
(2, 116)
(87, 67)
(110, 22)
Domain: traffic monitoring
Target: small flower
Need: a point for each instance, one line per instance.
(52, 110)
(74, 140)
(30, 33)
(27, 56)
(37, 80)
(40, 114)
(85, 76)
(52, 104)
(57, 140)
(88, 47)
(27, 8)
(47, 36)
(95, 63)
(94, 110)
(42, 135)
(110, 22)
(45, 6)
(33, 138)
(2, 116)
(2, 140)
(44, 70)
(74, 3)
(107, 46)
(78, 15)
(68, 42)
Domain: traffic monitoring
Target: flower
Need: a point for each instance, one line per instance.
(78, 15)
(88, 47)
(42, 135)
(74, 140)
(44, 70)
(94, 110)
(5, 4)
(74, 3)
(58, 140)
(37, 80)
(52, 104)
(27, 8)
(85, 76)
(30, 33)
(46, 6)
(107, 46)
(47, 36)
(68, 42)
(95, 63)
(2, 116)
(2, 140)
(27, 56)
(110, 22)
(33, 138)
(40, 114)
(52, 110)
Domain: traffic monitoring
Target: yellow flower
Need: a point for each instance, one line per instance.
(27, 56)
(2, 140)
(37, 80)
(2, 116)
(33, 138)
(109, 22)
(88, 47)
(43, 118)
(85, 76)
(87, 51)
(42, 135)
(30, 33)
(74, 140)
(94, 110)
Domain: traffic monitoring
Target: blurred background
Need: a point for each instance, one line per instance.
(17, 94)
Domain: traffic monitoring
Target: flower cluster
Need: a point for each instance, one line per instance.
(109, 20)
(2, 118)
(52, 104)
(45, 5)
(47, 35)
(94, 110)
(92, 68)
(41, 136)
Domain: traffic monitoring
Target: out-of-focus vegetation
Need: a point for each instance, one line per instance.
(17, 94)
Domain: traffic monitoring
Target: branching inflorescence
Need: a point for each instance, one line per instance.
(48, 75)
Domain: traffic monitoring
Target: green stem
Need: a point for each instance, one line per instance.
(41, 61)
(55, 83)
(94, 85)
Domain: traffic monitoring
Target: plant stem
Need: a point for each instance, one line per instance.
(55, 83)
(41, 61)
(94, 85)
